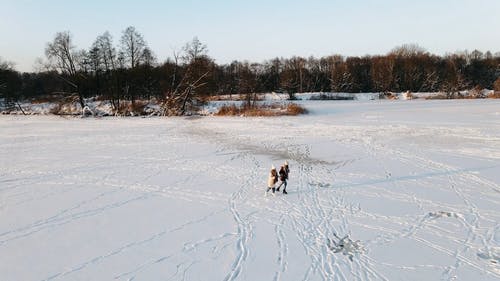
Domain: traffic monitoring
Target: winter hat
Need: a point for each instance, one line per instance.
(272, 167)
(286, 163)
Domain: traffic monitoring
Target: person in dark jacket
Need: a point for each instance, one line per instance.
(284, 171)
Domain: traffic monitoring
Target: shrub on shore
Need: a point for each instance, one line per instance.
(266, 110)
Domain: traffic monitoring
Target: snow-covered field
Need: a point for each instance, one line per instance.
(416, 182)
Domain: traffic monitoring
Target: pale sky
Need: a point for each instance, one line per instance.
(254, 30)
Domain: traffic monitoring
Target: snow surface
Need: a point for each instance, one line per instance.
(380, 190)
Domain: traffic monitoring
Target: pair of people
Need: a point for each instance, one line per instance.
(273, 178)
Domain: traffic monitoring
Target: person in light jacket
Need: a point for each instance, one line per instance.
(272, 180)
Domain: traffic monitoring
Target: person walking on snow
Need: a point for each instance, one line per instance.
(284, 171)
(272, 180)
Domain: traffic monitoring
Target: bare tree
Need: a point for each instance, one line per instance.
(298, 65)
(246, 82)
(408, 50)
(293, 76)
(196, 70)
(120, 60)
(381, 71)
(176, 67)
(63, 57)
(132, 53)
(193, 50)
(132, 46)
(10, 86)
(342, 80)
(454, 79)
(6, 65)
(107, 53)
(94, 60)
(109, 61)
(176, 102)
(148, 57)
(61, 53)
(476, 55)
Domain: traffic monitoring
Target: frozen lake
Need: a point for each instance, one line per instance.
(416, 182)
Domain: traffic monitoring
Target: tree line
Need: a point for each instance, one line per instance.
(130, 71)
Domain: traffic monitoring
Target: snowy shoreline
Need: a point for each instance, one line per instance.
(95, 107)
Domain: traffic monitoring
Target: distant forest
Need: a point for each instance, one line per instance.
(130, 71)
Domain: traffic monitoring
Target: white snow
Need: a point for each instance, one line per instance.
(415, 186)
